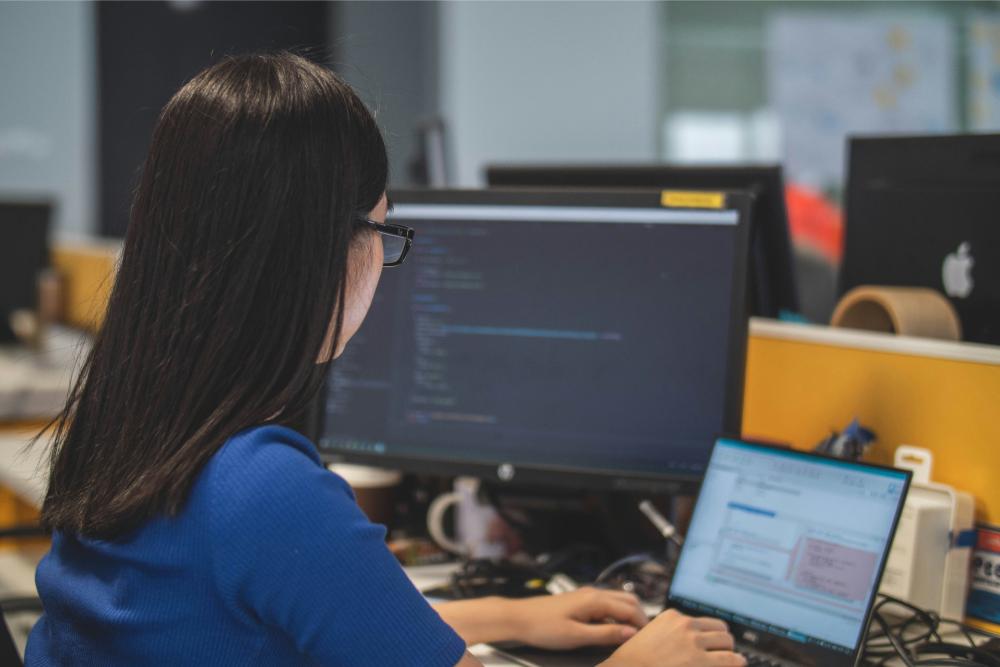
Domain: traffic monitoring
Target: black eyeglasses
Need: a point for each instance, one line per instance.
(396, 240)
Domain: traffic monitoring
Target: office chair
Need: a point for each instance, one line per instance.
(9, 654)
(8, 651)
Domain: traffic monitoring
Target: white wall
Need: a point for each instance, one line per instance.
(516, 81)
(47, 107)
(549, 81)
(388, 52)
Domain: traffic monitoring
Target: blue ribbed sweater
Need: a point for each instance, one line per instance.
(271, 562)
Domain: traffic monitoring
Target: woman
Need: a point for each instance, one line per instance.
(192, 524)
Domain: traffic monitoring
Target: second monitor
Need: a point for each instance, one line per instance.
(588, 338)
(772, 290)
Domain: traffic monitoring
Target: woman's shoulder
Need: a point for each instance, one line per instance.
(267, 465)
(269, 444)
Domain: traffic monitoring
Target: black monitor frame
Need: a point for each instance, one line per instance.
(570, 476)
(897, 245)
(24, 231)
(773, 286)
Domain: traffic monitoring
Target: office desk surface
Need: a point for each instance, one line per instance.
(34, 382)
(433, 575)
(23, 472)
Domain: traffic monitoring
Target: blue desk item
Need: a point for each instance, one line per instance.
(851, 444)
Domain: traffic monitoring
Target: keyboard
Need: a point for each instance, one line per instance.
(758, 660)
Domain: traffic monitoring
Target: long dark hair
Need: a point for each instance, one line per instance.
(234, 263)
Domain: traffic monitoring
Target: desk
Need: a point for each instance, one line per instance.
(23, 475)
(428, 576)
(34, 383)
(33, 386)
(22, 471)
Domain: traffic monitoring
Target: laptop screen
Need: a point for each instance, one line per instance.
(789, 543)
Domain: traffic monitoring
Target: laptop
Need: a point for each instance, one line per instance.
(922, 212)
(788, 548)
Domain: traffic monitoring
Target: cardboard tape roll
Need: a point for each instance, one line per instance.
(906, 311)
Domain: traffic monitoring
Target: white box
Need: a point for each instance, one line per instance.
(928, 564)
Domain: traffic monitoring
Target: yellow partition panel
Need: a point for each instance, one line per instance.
(803, 381)
(15, 511)
(87, 270)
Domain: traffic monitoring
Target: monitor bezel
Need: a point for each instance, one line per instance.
(773, 285)
(517, 474)
(918, 168)
(806, 654)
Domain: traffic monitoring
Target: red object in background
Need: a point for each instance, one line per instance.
(989, 540)
(815, 221)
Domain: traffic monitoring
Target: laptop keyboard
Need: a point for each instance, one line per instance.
(754, 661)
(759, 660)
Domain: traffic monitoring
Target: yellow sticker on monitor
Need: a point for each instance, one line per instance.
(692, 199)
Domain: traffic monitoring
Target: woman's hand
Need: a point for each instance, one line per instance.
(675, 640)
(585, 617)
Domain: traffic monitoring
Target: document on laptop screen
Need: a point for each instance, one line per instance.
(788, 543)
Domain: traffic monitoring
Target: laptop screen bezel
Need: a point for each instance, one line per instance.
(804, 653)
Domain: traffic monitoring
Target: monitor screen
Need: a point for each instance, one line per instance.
(561, 333)
(921, 212)
(772, 290)
(789, 543)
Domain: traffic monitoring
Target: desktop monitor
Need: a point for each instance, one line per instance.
(582, 338)
(24, 253)
(921, 211)
(772, 289)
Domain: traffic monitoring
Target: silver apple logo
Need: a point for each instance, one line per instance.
(956, 272)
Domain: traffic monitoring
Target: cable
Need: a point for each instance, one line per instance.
(916, 635)
(901, 650)
(627, 560)
(916, 616)
(643, 574)
(963, 628)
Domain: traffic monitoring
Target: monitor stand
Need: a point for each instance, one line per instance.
(574, 533)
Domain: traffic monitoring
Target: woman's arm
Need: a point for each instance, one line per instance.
(291, 550)
(479, 621)
(672, 640)
(585, 617)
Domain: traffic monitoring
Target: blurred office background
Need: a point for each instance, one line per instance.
(458, 86)
(555, 82)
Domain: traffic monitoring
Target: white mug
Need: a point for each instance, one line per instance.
(473, 520)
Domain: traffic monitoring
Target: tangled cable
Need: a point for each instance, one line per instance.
(914, 636)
